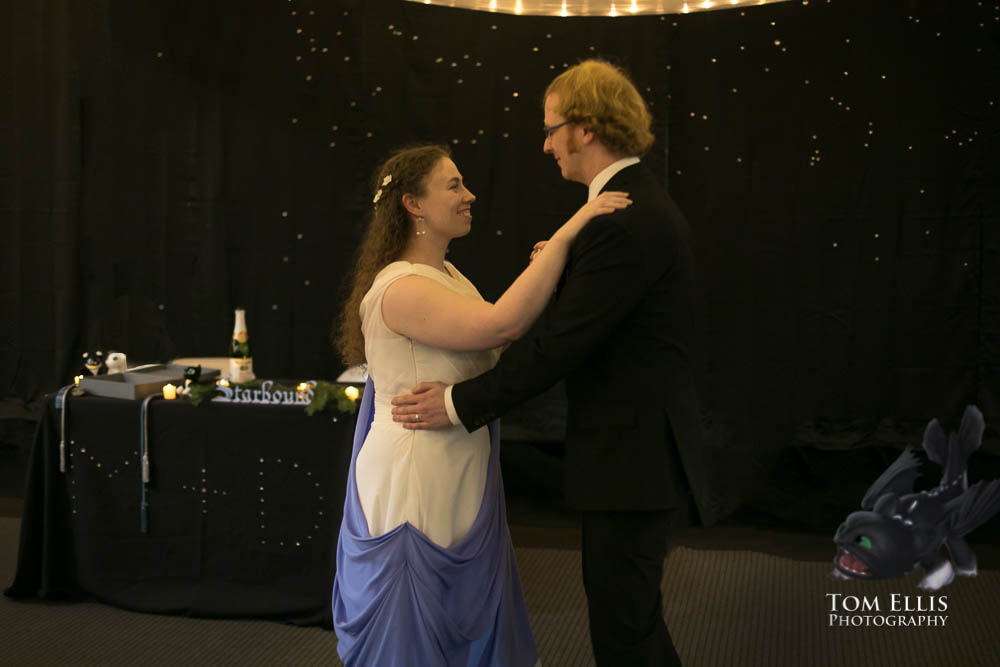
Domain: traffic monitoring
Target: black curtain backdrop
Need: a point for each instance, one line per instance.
(163, 163)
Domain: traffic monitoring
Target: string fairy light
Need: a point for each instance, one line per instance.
(592, 8)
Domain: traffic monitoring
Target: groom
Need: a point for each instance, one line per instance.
(618, 330)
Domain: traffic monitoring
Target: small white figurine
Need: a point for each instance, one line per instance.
(116, 362)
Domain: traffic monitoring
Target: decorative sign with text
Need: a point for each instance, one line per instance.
(263, 395)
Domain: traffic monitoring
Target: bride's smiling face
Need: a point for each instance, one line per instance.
(446, 206)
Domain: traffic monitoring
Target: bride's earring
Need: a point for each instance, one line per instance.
(420, 221)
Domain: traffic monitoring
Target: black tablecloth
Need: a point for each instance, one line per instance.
(244, 508)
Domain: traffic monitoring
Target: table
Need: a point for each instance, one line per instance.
(244, 508)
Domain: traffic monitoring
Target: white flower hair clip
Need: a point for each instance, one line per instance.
(385, 182)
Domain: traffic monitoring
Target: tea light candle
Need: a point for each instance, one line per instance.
(351, 393)
(169, 392)
(222, 383)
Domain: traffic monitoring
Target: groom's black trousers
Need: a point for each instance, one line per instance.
(623, 556)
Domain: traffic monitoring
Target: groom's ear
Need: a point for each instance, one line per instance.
(411, 204)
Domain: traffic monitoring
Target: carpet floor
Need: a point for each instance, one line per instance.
(724, 606)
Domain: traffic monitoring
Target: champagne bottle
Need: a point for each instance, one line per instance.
(240, 359)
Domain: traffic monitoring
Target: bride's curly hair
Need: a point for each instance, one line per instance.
(389, 229)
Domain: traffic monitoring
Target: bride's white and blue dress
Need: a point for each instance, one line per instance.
(426, 573)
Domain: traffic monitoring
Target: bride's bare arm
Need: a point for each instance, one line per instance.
(426, 311)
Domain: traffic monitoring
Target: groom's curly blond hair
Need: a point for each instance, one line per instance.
(600, 96)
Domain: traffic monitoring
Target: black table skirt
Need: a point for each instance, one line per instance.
(244, 508)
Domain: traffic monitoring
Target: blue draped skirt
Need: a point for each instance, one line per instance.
(400, 599)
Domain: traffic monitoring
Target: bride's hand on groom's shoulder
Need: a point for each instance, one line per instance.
(602, 204)
(423, 408)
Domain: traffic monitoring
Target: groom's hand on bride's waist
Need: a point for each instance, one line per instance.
(423, 408)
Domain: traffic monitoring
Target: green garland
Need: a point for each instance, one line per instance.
(324, 394)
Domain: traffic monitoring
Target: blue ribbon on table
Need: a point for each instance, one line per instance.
(61, 404)
(144, 456)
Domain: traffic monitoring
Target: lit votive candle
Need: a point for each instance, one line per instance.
(169, 392)
(76, 380)
(222, 383)
(351, 393)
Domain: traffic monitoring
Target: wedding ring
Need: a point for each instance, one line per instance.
(416, 418)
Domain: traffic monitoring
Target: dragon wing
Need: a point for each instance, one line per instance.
(936, 442)
(974, 507)
(972, 427)
(952, 453)
(898, 478)
(970, 436)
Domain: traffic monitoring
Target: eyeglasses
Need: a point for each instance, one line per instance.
(552, 128)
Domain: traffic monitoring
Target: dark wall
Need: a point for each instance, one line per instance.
(163, 164)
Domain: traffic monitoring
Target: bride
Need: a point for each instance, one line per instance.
(426, 573)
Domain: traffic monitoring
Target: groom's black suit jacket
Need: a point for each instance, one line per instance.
(618, 330)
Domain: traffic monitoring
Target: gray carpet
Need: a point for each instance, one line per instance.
(724, 607)
(748, 608)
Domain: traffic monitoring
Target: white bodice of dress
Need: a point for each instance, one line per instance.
(395, 362)
(432, 479)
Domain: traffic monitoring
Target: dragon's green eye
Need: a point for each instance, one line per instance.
(864, 541)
